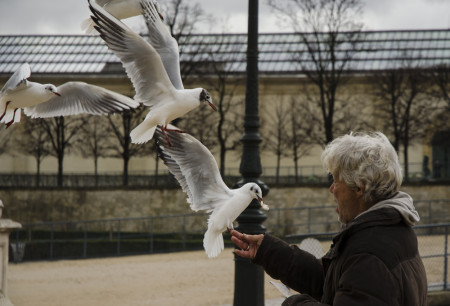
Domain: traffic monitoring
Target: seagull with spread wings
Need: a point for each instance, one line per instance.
(150, 79)
(196, 170)
(47, 100)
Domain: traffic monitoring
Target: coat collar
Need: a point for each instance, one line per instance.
(383, 216)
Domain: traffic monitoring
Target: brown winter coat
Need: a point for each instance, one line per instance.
(374, 261)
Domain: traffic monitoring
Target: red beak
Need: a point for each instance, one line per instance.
(212, 106)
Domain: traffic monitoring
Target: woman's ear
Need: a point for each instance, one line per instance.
(360, 190)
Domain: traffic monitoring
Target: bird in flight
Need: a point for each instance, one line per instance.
(146, 70)
(47, 100)
(196, 171)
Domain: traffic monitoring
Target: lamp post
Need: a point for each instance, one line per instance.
(248, 277)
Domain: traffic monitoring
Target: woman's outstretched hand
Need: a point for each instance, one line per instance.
(249, 244)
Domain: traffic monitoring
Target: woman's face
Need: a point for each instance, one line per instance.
(349, 201)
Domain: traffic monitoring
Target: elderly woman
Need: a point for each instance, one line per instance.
(374, 259)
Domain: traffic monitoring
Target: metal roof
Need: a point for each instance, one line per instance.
(86, 54)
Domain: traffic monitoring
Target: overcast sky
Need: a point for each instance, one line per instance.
(65, 16)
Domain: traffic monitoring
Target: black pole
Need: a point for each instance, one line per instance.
(248, 277)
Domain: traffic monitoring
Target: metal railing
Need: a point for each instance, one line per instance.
(148, 179)
(171, 233)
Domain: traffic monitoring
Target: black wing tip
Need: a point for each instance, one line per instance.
(93, 10)
(99, 18)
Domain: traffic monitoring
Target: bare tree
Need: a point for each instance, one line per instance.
(95, 140)
(402, 106)
(329, 31)
(276, 139)
(223, 84)
(300, 133)
(440, 93)
(34, 142)
(121, 125)
(5, 139)
(62, 135)
(183, 17)
(440, 76)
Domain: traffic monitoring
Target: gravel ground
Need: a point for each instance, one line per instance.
(186, 278)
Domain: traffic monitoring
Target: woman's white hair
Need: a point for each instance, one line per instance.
(366, 161)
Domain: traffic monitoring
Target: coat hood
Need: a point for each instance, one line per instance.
(403, 203)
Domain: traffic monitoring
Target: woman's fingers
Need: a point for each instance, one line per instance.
(248, 244)
(240, 243)
(244, 254)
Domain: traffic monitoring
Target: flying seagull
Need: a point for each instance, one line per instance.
(196, 170)
(121, 9)
(144, 67)
(47, 100)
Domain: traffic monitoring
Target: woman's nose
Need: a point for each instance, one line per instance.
(332, 188)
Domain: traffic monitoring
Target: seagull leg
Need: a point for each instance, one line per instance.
(177, 130)
(164, 129)
(4, 112)
(12, 120)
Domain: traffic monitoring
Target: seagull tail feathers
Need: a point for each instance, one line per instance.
(142, 133)
(213, 243)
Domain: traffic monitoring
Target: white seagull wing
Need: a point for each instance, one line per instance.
(120, 9)
(195, 169)
(79, 98)
(140, 60)
(17, 78)
(163, 42)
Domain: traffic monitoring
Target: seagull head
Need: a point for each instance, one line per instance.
(52, 89)
(205, 97)
(256, 193)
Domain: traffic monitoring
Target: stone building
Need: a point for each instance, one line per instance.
(207, 59)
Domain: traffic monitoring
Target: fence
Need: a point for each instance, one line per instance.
(156, 234)
(146, 179)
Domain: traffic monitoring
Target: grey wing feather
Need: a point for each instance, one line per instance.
(17, 78)
(195, 169)
(140, 60)
(81, 98)
(163, 42)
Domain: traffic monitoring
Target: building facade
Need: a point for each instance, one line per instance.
(283, 73)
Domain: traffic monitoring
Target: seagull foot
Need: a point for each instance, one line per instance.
(167, 136)
(4, 112)
(177, 131)
(12, 120)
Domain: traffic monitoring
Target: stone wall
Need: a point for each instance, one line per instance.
(29, 205)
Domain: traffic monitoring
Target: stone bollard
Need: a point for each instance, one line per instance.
(6, 226)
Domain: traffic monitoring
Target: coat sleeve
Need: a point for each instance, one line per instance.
(296, 268)
(365, 280)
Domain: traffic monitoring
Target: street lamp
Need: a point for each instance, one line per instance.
(248, 277)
